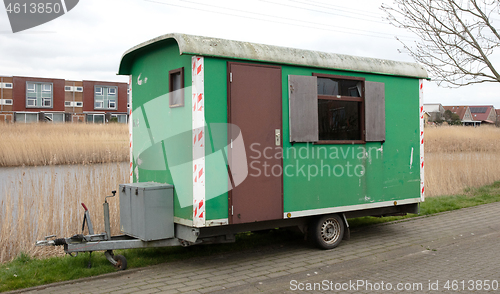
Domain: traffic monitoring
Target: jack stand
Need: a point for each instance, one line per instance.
(89, 265)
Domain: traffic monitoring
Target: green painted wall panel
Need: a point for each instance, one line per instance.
(162, 135)
(216, 176)
(386, 170)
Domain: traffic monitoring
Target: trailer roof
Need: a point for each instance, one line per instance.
(205, 46)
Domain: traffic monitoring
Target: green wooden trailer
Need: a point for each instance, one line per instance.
(254, 136)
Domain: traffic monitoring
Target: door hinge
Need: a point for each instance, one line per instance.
(230, 77)
(232, 210)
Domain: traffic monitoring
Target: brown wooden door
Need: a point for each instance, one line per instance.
(254, 105)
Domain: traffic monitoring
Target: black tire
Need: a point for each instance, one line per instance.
(121, 262)
(327, 231)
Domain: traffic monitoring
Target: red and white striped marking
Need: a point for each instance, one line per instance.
(131, 155)
(421, 99)
(198, 113)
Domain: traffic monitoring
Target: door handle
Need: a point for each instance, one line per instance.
(277, 137)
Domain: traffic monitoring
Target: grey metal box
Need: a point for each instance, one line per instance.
(147, 210)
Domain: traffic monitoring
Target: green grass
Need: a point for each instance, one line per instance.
(26, 272)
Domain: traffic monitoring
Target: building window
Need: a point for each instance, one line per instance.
(79, 89)
(95, 118)
(5, 101)
(6, 85)
(68, 88)
(340, 108)
(79, 104)
(38, 95)
(121, 118)
(26, 117)
(54, 117)
(105, 97)
(67, 103)
(176, 87)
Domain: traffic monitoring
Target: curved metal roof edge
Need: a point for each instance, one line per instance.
(206, 46)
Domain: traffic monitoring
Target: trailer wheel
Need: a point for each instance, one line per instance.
(327, 231)
(121, 262)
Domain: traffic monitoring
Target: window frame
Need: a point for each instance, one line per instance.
(68, 88)
(111, 101)
(359, 100)
(171, 74)
(38, 98)
(28, 89)
(8, 85)
(46, 84)
(78, 89)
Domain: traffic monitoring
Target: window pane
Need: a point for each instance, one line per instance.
(89, 118)
(338, 120)
(98, 118)
(20, 117)
(46, 87)
(31, 102)
(31, 87)
(58, 117)
(334, 87)
(31, 117)
(328, 87)
(122, 118)
(176, 92)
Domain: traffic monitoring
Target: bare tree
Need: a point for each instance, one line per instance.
(458, 38)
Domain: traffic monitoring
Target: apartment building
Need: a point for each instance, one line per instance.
(33, 99)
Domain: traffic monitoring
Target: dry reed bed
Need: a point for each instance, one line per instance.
(458, 157)
(49, 203)
(51, 144)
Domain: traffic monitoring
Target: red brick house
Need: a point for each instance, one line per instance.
(32, 99)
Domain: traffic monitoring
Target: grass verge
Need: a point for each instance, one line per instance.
(26, 272)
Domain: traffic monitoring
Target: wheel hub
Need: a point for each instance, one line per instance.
(330, 231)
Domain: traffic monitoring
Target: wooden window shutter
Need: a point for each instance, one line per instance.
(303, 107)
(374, 112)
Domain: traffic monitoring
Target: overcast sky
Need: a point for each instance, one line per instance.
(88, 42)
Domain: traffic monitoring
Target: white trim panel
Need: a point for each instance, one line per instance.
(198, 135)
(130, 127)
(320, 211)
(217, 222)
(421, 99)
(183, 221)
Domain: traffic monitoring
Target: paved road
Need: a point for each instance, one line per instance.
(416, 256)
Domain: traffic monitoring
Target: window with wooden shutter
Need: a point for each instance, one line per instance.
(328, 109)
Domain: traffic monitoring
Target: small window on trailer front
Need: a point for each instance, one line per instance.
(176, 87)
